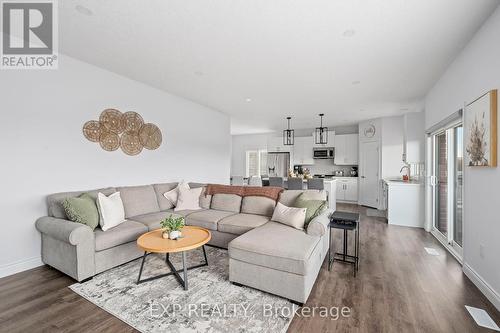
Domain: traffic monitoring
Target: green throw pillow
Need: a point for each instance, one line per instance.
(82, 209)
(313, 208)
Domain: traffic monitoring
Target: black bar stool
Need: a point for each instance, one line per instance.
(344, 221)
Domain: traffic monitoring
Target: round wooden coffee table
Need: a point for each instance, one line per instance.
(192, 238)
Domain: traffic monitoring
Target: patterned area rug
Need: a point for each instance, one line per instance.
(212, 303)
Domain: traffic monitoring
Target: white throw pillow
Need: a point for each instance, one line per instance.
(188, 199)
(291, 216)
(173, 195)
(111, 210)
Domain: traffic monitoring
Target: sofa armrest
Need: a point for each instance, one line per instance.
(319, 225)
(64, 230)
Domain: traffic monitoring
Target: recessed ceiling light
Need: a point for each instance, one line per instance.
(356, 82)
(83, 10)
(248, 99)
(349, 33)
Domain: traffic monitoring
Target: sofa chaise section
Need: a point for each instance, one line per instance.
(279, 259)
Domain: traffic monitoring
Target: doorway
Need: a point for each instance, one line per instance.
(369, 188)
(447, 184)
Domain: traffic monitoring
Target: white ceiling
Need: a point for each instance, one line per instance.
(289, 57)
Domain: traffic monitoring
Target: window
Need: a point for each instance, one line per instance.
(256, 163)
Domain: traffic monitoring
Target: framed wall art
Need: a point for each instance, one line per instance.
(481, 131)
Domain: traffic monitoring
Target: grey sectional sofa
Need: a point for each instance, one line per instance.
(263, 254)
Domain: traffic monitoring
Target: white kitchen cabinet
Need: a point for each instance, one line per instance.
(346, 149)
(347, 189)
(351, 191)
(330, 143)
(275, 144)
(406, 203)
(303, 151)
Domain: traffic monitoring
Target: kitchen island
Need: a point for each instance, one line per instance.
(405, 202)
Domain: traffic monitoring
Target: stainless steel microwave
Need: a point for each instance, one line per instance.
(324, 153)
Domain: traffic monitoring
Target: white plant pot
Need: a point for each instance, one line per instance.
(174, 234)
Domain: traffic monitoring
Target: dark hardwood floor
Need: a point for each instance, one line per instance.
(399, 288)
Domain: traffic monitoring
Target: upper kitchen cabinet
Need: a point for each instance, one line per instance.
(303, 151)
(330, 143)
(346, 149)
(275, 144)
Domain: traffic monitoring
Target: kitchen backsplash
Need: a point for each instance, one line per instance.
(326, 167)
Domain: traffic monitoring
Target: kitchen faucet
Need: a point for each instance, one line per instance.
(406, 166)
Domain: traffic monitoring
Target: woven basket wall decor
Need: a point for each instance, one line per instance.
(131, 145)
(127, 131)
(150, 136)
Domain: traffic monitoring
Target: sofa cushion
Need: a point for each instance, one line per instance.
(291, 216)
(183, 212)
(160, 189)
(258, 205)
(126, 232)
(139, 200)
(152, 220)
(111, 211)
(276, 246)
(196, 185)
(54, 201)
(188, 199)
(289, 197)
(314, 207)
(226, 202)
(205, 200)
(240, 223)
(82, 209)
(207, 218)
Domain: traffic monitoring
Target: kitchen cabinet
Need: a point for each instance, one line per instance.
(405, 203)
(303, 151)
(347, 189)
(275, 144)
(330, 143)
(346, 149)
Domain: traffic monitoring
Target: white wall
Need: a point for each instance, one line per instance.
(392, 142)
(44, 150)
(392, 146)
(242, 143)
(415, 136)
(475, 71)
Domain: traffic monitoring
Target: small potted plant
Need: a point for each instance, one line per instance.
(172, 227)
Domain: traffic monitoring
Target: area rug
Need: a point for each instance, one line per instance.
(212, 303)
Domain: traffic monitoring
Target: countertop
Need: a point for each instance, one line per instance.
(394, 182)
(325, 179)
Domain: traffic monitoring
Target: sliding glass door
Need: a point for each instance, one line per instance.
(458, 186)
(447, 182)
(441, 188)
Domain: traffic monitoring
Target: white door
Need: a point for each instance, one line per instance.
(369, 174)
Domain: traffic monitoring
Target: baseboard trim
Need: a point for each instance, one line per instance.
(20, 266)
(484, 287)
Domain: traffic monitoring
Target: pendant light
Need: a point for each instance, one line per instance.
(288, 134)
(321, 133)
